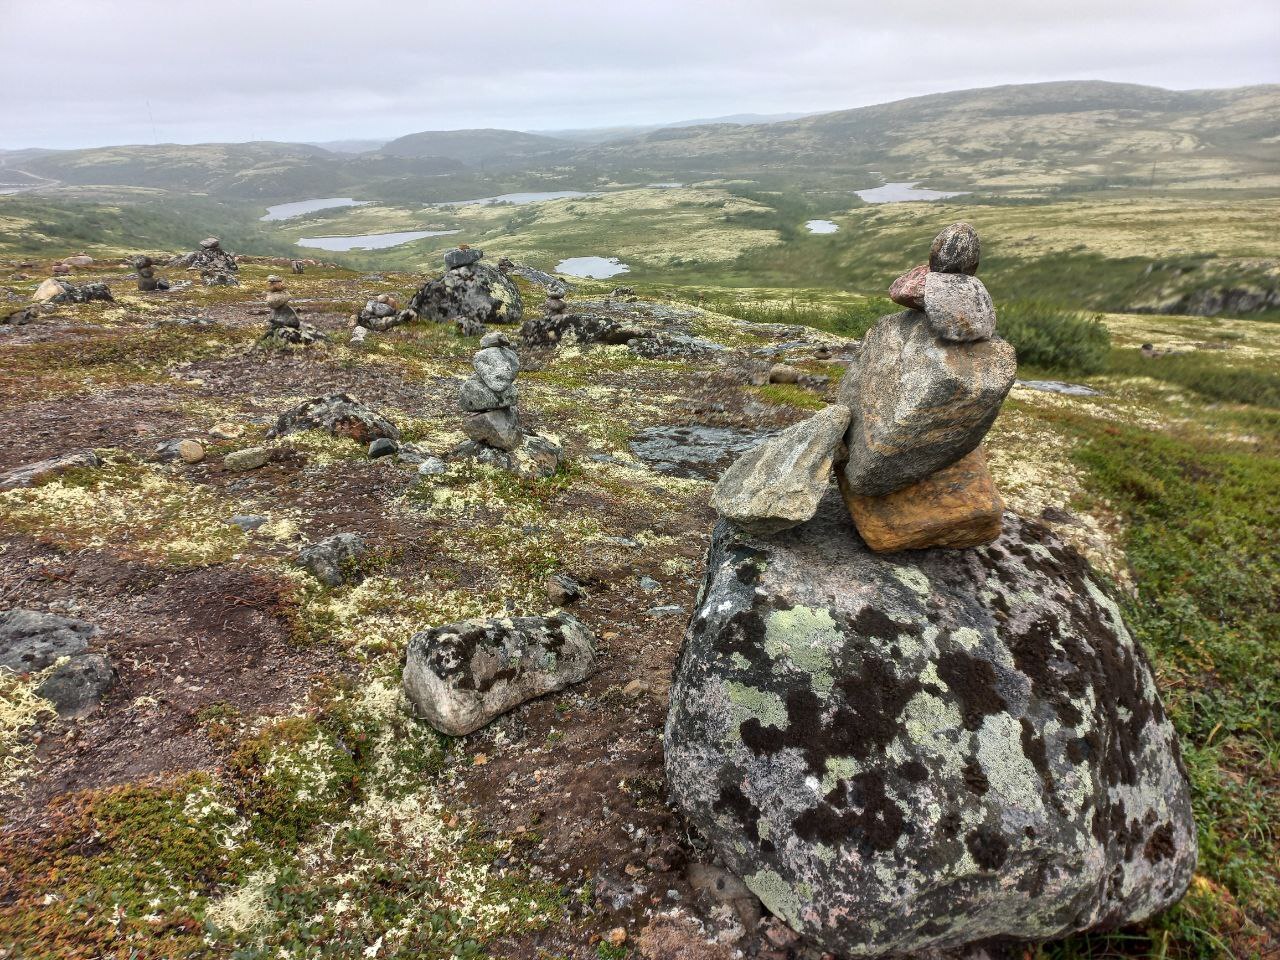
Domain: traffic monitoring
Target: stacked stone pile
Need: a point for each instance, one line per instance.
(555, 305)
(905, 435)
(217, 267)
(493, 423)
(147, 279)
(929, 750)
(285, 326)
(382, 313)
(469, 294)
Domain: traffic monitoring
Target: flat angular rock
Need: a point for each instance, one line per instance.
(496, 367)
(908, 289)
(339, 414)
(31, 474)
(923, 403)
(462, 258)
(956, 507)
(474, 396)
(250, 458)
(902, 754)
(779, 483)
(956, 250)
(463, 675)
(335, 560)
(958, 307)
(31, 640)
(497, 428)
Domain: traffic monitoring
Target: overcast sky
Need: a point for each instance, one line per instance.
(92, 72)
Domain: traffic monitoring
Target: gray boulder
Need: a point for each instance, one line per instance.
(31, 474)
(922, 403)
(31, 640)
(463, 675)
(958, 307)
(905, 753)
(339, 414)
(496, 367)
(76, 686)
(335, 560)
(477, 292)
(474, 396)
(956, 250)
(497, 428)
(458, 257)
(780, 482)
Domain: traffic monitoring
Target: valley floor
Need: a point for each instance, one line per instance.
(252, 786)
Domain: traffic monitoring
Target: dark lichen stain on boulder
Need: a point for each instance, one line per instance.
(973, 681)
(988, 848)
(733, 801)
(861, 813)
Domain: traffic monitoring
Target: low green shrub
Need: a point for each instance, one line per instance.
(1054, 338)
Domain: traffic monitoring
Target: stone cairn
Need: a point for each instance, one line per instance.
(284, 325)
(217, 267)
(555, 305)
(470, 294)
(382, 313)
(935, 748)
(299, 266)
(147, 279)
(905, 433)
(493, 424)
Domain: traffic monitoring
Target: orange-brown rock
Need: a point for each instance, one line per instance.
(958, 506)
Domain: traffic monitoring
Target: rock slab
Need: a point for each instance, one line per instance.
(339, 414)
(462, 675)
(779, 483)
(903, 755)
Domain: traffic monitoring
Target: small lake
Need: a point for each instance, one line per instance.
(821, 226)
(903, 192)
(370, 241)
(592, 268)
(516, 199)
(283, 211)
(665, 186)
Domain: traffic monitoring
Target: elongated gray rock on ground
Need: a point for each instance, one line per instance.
(339, 414)
(31, 640)
(907, 752)
(779, 483)
(31, 474)
(922, 403)
(463, 675)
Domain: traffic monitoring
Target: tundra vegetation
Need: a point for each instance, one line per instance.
(253, 787)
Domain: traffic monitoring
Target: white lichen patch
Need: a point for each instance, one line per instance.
(21, 708)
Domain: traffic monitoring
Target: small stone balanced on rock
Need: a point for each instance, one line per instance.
(924, 750)
(493, 424)
(285, 326)
(147, 279)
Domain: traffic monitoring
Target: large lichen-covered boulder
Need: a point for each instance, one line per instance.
(476, 292)
(462, 675)
(339, 414)
(903, 752)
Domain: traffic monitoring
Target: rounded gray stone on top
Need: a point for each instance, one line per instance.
(958, 307)
(496, 367)
(907, 752)
(956, 250)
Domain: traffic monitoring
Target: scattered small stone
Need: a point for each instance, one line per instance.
(782, 373)
(250, 458)
(248, 521)
(648, 584)
(383, 447)
(225, 431)
(62, 291)
(431, 467)
(461, 676)
(563, 589)
(666, 610)
(188, 451)
(334, 561)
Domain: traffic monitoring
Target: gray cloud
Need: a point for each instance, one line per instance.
(87, 72)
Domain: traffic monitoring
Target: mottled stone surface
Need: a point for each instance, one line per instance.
(76, 686)
(334, 560)
(250, 458)
(496, 367)
(31, 640)
(908, 289)
(923, 403)
(904, 753)
(779, 483)
(578, 328)
(956, 507)
(534, 457)
(339, 414)
(474, 396)
(956, 250)
(497, 428)
(462, 675)
(958, 307)
(477, 292)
